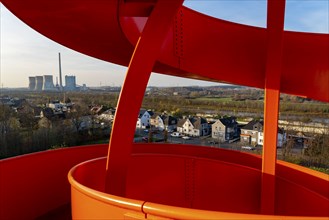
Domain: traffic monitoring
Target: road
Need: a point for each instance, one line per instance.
(208, 141)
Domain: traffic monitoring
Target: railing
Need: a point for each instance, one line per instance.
(172, 181)
(177, 182)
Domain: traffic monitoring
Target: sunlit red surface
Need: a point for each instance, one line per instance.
(136, 181)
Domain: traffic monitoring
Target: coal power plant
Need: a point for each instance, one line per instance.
(70, 83)
(45, 82)
(41, 83)
(32, 82)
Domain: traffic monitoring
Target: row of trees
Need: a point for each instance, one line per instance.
(308, 149)
(22, 132)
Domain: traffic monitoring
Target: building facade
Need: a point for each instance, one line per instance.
(164, 122)
(144, 117)
(194, 127)
(225, 129)
(253, 134)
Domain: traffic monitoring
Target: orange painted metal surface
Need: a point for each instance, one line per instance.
(275, 24)
(179, 186)
(34, 184)
(183, 182)
(146, 52)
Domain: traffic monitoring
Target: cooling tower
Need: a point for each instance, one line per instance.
(38, 83)
(32, 83)
(60, 72)
(70, 83)
(48, 83)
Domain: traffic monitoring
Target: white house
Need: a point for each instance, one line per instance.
(193, 127)
(252, 133)
(225, 129)
(164, 122)
(107, 115)
(144, 117)
(282, 138)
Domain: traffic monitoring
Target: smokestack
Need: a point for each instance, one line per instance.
(60, 73)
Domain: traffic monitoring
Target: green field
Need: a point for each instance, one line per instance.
(214, 99)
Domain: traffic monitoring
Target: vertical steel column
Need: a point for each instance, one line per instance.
(131, 97)
(275, 25)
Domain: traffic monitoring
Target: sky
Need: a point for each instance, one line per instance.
(24, 52)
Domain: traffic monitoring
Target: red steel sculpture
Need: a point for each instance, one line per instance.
(161, 181)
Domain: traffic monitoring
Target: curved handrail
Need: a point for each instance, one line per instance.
(150, 209)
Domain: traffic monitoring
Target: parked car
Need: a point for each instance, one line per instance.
(248, 148)
(176, 134)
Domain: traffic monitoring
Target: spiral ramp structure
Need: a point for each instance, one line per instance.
(124, 180)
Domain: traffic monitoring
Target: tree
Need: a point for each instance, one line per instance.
(77, 116)
(5, 115)
(318, 150)
(165, 136)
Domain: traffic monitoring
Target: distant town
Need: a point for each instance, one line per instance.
(48, 117)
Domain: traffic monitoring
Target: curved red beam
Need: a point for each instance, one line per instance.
(197, 46)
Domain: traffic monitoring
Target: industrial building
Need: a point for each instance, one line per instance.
(70, 83)
(45, 83)
(41, 83)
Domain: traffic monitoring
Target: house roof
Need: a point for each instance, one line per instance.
(251, 125)
(181, 122)
(196, 122)
(96, 109)
(168, 120)
(155, 115)
(230, 121)
(142, 112)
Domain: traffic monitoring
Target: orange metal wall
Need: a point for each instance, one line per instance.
(171, 39)
(34, 184)
(159, 177)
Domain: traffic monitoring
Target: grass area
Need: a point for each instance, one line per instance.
(102, 141)
(214, 99)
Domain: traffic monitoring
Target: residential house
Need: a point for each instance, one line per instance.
(96, 109)
(6, 100)
(107, 115)
(163, 122)
(144, 117)
(252, 133)
(282, 138)
(225, 129)
(51, 113)
(55, 105)
(193, 127)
